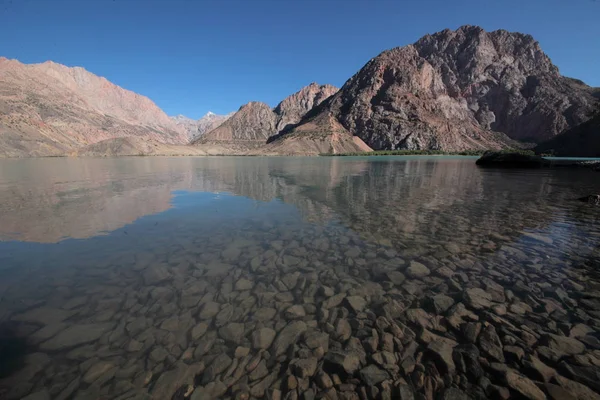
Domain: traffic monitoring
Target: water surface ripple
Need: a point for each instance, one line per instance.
(296, 278)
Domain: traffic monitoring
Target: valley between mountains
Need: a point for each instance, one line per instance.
(466, 89)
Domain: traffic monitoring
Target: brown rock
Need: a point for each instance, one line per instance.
(558, 393)
(490, 343)
(288, 335)
(523, 385)
(76, 335)
(537, 370)
(562, 344)
(263, 338)
(304, 368)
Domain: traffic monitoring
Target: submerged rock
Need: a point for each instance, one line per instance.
(288, 336)
(372, 375)
(417, 270)
(262, 338)
(76, 335)
(490, 343)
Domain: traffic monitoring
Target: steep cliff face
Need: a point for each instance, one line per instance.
(508, 82)
(291, 110)
(456, 90)
(49, 108)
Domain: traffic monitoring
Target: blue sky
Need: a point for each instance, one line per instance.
(192, 56)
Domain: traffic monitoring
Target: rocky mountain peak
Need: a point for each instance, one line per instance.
(460, 89)
(256, 121)
(470, 50)
(254, 105)
(253, 122)
(291, 110)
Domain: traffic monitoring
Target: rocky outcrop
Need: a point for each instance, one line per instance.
(582, 140)
(196, 128)
(463, 89)
(322, 135)
(291, 110)
(255, 122)
(49, 109)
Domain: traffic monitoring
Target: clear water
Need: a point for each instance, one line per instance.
(101, 243)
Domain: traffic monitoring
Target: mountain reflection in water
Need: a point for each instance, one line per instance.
(116, 270)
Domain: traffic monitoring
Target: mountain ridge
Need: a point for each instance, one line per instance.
(451, 90)
(458, 90)
(52, 109)
(256, 121)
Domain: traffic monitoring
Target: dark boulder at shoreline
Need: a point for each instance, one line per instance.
(511, 160)
(592, 199)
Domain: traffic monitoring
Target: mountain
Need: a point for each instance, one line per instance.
(196, 128)
(50, 109)
(256, 122)
(291, 110)
(253, 122)
(456, 90)
(323, 134)
(189, 125)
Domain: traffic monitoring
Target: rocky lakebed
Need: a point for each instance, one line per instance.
(270, 307)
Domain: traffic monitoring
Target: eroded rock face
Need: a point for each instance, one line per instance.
(256, 121)
(49, 109)
(291, 110)
(462, 89)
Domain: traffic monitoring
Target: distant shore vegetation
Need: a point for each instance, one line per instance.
(430, 153)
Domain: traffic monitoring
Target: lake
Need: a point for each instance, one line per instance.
(251, 277)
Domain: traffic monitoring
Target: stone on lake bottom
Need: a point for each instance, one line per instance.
(295, 312)
(490, 343)
(76, 335)
(441, 352)
(563, 344)
(523, 385)
(345, 361)
(356, 303)
(304, 368)
(372, 375)
(477, 298)
(232, 332)
(417, 270)
(263, 338)
(288, 335)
